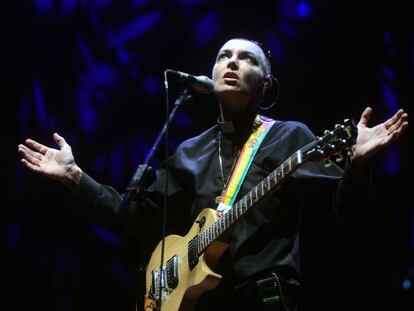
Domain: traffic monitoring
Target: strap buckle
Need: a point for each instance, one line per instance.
(269, 289)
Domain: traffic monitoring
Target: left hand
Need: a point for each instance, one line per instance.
(370, 140)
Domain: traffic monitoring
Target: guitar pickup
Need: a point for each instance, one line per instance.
(172, 272)
(193, 252)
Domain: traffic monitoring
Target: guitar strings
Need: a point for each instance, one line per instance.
(183, 251)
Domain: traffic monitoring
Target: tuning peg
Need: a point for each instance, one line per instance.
(339, 158)
(350, 152)
(328, 163)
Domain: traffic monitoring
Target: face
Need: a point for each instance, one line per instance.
(239, 74)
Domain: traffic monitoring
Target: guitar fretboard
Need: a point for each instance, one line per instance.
(340, 138)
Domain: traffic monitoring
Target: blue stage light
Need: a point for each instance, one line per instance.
(44, 6)
(135, 28)
(40, 105)
(207, 28)
(86, 113)
(152, 85)
(389, 96)
(68, 6)
(190, 2)
(123, 55)
(117, 164)
(392, 161)
(121, 272)
(407, 284)
(276, 46)
(388, 74)
(294, 9)
(99, 163)
(109, 237)
(303, 10)
(138, 3)
(103, 74)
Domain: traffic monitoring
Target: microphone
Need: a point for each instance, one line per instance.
(200, 84)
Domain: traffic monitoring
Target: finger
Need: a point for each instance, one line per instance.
(365, 117)
(59, 140)
(30, 156)
(25, 151)
(398, 123)
(37, 146)
(397, 133)
(31, 166)
(394, 135)
(393, 119)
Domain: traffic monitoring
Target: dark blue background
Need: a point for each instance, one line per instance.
(93, 72)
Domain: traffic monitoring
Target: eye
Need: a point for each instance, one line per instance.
(222, 55)
(249, 58)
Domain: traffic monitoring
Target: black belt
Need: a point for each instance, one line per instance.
(269, 289)
(266, 290)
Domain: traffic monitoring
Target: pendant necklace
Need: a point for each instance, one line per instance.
(225, 182)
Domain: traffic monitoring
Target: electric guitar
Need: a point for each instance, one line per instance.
(188, 268)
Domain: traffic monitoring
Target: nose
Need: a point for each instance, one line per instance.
(233, 63)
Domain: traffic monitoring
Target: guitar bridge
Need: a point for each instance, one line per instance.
(154, 291)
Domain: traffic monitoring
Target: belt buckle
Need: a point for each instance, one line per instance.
(269, 289)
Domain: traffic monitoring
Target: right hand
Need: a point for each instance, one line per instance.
(58, 164)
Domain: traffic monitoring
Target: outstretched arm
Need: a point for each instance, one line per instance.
(354, 193)
(58, 164)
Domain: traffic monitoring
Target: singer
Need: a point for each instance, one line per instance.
(259, 255)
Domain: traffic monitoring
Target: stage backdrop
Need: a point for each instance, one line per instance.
(93, 72)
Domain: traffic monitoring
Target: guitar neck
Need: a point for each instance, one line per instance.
(266, 186)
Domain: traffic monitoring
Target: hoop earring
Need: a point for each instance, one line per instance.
(273, 95)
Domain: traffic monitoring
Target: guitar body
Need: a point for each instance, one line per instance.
(191, 282)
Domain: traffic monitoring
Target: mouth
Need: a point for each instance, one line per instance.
(230, 77)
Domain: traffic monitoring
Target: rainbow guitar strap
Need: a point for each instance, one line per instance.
(243, 163)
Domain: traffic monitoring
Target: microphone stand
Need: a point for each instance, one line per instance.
(137, 181)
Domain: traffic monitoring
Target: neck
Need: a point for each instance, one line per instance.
(238, 121)
(239, 117)
(238, 130)
(238, 107)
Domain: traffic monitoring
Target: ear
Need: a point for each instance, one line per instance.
(267, 84)
(267, 79)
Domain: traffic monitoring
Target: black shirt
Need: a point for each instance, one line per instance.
(264, 240)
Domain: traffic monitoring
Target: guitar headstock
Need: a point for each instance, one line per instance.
(333, 142)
